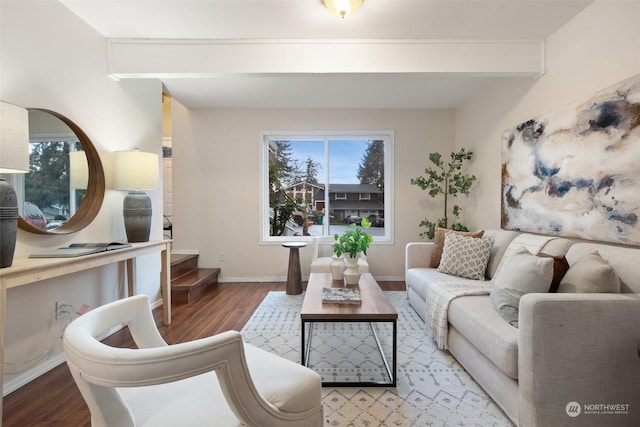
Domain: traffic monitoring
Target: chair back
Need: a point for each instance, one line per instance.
(322, 247)
(91, 362)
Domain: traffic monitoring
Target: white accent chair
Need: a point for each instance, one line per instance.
(321, 263)
(214, 381)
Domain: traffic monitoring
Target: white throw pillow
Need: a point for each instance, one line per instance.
(465, 256)
(590, 273)
(525, 272)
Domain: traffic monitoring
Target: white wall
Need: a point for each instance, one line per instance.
(216, 159)
(51, 59)
(597, 49)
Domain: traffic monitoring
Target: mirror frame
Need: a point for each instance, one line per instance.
(94, 196)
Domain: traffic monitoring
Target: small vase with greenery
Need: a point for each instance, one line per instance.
(448, 180)
(351, 243)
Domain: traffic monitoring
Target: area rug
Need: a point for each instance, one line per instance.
(432, 388)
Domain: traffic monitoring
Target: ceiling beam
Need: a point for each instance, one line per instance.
(140, 58)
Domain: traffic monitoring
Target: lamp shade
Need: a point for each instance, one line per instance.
(14, 138)
(135, 170)
(79, 170)
(342, 8)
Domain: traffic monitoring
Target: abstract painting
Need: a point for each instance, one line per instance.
(576, 173)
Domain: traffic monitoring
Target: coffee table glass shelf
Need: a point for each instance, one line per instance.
(348, 344)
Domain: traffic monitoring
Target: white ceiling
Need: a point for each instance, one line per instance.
(259, 20)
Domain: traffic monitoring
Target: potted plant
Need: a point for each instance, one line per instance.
(448, 181)
(350, 244)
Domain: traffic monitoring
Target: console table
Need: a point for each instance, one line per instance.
(25, 271)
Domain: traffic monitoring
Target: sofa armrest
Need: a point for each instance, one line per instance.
(579, 348)
(417, 255)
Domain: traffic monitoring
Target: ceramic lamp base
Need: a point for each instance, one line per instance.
(8, 223)
(137, 216)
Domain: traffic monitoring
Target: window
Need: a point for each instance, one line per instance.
(319, 183)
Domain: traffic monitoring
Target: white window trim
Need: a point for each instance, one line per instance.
(364, 196)
(266, 136)
(340, 196)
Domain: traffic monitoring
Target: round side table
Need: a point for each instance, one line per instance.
(294, 275)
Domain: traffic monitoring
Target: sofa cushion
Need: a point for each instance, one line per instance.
(438, 242)
(590, 273)
(501, 240)
(476, 319)
(419, 279)
(525, 272)
(465, 256)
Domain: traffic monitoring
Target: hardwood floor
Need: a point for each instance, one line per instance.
(54, 400)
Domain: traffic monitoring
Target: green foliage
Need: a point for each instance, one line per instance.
(447, 180)
(371, 168)
(47, 183)
(282, 205)
(353, 240)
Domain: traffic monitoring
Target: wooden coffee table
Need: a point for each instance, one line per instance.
(375, 307)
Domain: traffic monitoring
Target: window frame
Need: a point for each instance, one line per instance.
(267, 137)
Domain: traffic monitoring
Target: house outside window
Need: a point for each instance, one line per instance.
(318, 183)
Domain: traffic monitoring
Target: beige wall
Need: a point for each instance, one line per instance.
(50, 59)
(597, 49)
(216, 160)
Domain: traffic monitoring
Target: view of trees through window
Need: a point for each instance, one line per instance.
(49, 198)
(319, 186)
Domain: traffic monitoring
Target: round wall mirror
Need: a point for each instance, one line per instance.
(64, 189)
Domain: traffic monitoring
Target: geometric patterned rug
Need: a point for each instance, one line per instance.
(432, 389)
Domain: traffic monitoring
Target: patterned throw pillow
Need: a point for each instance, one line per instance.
(465, 256)
(438, 242)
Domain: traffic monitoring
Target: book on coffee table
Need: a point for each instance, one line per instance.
(341, 296)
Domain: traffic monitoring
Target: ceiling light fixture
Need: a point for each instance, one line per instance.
(342, 8)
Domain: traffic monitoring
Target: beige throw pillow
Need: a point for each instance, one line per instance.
(438, 242)
(525, 272)
(589, 274)
(506, 301)
(465, 256)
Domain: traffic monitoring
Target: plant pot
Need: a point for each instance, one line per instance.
(352, 272)
(337, 267)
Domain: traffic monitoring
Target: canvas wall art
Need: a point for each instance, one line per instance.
(576, 172)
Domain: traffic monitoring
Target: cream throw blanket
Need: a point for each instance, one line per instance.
(440, 294)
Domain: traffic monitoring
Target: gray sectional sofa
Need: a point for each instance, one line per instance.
(573, 360)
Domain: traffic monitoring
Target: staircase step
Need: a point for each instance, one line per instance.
(183, 264)
(190, 286)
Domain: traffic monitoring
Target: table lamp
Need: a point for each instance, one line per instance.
(14, 158)
(136, 171)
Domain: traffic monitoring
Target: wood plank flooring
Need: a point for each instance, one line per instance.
(53, 399)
